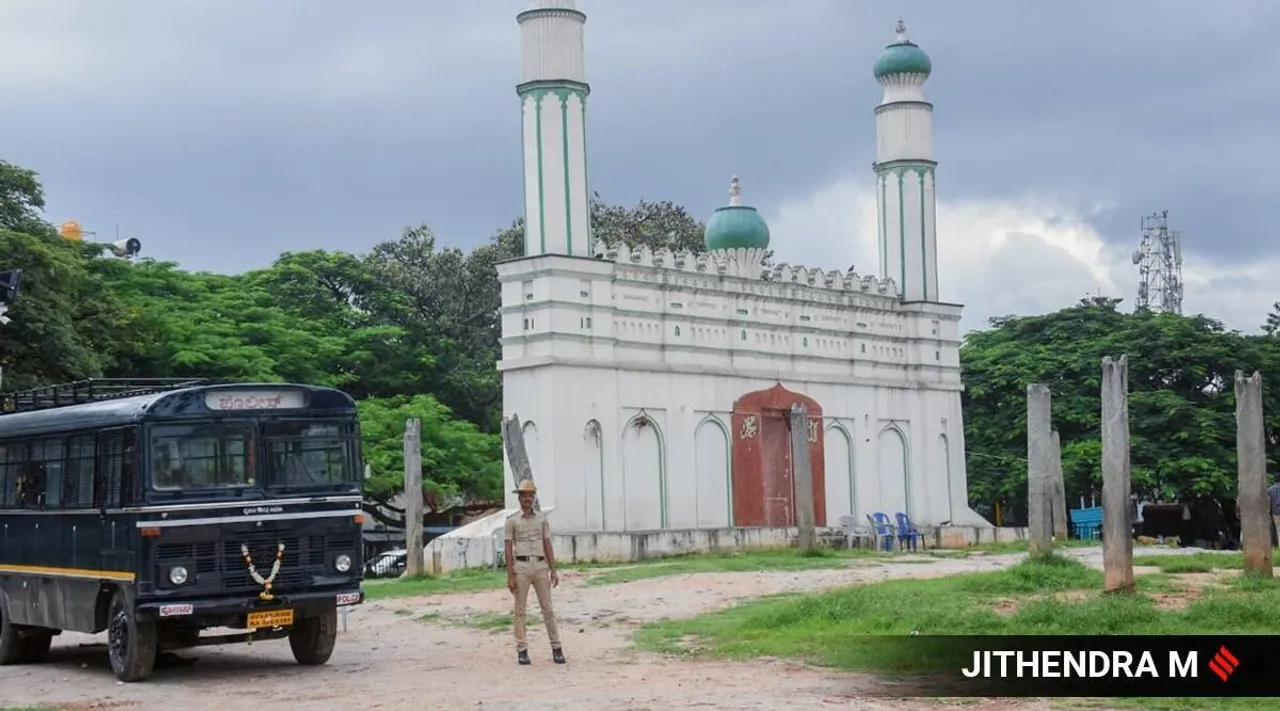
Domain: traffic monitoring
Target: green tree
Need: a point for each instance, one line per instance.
(1272, 326)
(1181, 401)
(459, 462)
(66, 324)
(22, 201)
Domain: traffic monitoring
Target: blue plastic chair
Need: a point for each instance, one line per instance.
(907, 531)
(883, 529)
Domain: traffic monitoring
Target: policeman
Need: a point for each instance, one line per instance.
(530, 562)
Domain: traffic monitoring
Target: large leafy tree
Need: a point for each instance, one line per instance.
(1272, 325)
(65, 323)
(21, 201)
(1181, 400)
(459, 462)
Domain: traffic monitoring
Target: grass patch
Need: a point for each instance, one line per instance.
(1055, 595)
(736, 562)
(1193, 563)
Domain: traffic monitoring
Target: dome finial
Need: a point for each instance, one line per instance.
(735, 191)
(901, 31)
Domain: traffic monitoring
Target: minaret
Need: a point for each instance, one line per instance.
(553, 100)
(904, 170)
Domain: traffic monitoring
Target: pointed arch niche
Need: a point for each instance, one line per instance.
(763, 492)
(713, 479)
(842, 489)
(644, 486)
(894, 470)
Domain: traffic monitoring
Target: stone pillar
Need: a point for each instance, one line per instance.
(517, 455)
(802, 476)
(413, 538)
(1058, 493)
(1039, 467)
(1117, 529)
(1251, 455)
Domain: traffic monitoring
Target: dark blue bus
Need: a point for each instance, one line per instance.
(158, 509)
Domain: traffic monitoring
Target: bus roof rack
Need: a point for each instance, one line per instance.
(90, 390)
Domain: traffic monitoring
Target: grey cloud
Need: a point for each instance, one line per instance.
(227, 132)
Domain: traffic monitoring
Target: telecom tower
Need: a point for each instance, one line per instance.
(1159, 260)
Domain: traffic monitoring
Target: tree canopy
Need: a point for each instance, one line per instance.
(1181, 399)
(410, 329)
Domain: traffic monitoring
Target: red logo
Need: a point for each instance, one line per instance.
(1223, 664)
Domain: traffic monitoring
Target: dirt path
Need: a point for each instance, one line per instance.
(389, 660)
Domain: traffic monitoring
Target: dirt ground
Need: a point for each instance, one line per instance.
(387, 659)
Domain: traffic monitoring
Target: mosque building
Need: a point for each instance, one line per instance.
(654, 387)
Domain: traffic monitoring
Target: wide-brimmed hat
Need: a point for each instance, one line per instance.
(526, 487)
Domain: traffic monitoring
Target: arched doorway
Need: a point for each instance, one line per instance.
(763, 489)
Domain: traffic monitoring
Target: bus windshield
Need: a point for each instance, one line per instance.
(310, 453)
(202, 456)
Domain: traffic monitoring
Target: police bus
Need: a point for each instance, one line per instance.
(158, 509)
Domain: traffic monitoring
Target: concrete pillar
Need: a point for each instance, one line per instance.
(802, 476)
(1039, 467)
(1117, 529)
(1251, 455)
(518, 455)
(1058, 492)
(413, 538)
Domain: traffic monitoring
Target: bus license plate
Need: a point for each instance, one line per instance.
(269, 618)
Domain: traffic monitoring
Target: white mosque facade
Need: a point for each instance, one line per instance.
(654, 387)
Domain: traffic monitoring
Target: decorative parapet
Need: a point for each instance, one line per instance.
(729, 264)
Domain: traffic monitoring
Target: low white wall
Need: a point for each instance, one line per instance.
(474, 546)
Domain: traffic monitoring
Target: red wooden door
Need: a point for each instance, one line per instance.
(779, 493)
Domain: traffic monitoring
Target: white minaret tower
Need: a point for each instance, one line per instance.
(553, 100)
(904, 170)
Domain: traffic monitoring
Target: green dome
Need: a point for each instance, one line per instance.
(902, 57)
(736, 226)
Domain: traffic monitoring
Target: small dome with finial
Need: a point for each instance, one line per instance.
(902, 57)
(736, 226)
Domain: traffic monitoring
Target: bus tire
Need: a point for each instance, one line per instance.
(312, 638)
(131, 643)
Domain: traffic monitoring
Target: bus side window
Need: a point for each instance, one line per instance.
(47, 460)
(77, 484)
(129, 466)
(109, 478)
(9, 474)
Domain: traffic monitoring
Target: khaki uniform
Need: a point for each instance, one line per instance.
(526, 534)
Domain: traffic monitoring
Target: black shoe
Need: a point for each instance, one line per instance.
(557, 655)
(522, 656)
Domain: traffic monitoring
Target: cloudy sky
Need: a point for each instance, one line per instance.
(222, 133)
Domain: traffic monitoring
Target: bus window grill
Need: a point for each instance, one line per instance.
(90, 390)
(205, 555)
(110, 468)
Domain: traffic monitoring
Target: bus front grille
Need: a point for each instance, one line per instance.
(303, 556)
(262, 547)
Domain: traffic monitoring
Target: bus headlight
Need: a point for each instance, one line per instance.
(177, 575)
(342, 563)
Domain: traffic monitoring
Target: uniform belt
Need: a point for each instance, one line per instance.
(527, 558)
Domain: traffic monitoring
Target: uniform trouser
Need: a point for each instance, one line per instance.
(1275, 529)
(537, 574)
